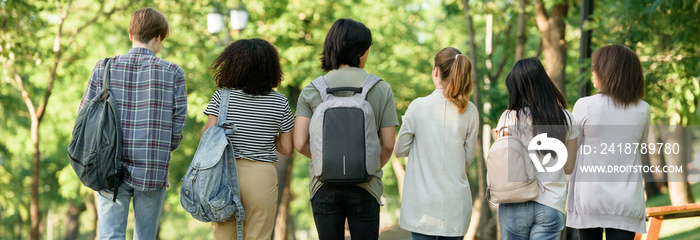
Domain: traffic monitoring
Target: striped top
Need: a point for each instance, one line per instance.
(258, 118)
(151, 96)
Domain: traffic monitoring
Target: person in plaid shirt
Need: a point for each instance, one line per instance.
(152, 100)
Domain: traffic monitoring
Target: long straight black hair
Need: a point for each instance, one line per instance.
(529, 87)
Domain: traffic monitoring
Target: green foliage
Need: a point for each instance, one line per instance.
(662, 33)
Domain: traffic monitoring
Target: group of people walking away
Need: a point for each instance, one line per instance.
(438, 135)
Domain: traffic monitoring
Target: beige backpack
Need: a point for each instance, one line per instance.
(510, 174)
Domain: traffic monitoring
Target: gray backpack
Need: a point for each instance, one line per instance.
(210, 190)
(344, 144)
(95, 151)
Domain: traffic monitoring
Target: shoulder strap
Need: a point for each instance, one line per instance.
(368, 84)
(105, 80)
(223, 106)
(320, 84)
(221, 121)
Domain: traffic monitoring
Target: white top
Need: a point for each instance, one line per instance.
(440, 143)
(554, 183)
(608, 203)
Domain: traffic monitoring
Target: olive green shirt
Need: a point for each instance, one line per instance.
(380, 97)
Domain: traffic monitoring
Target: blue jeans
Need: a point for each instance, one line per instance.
(418, 236)
(112, 216)
(530, 220)
(332, 204)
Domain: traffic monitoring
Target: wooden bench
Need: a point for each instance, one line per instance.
(656, 215)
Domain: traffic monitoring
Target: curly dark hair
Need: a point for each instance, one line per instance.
(251, 65)
(346, 42)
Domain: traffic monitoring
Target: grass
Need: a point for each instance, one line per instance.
(682, 228)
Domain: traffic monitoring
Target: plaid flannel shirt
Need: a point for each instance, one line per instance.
(152, 99)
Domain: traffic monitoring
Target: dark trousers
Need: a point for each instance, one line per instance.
(333, 204)
(610, 233)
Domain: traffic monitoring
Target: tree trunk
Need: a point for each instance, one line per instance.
(95, 207)
(34, 213)
(521, 38)
(400, 173)
(284, 178)
(481, 209)
(72, 220)
(650, 187)
(19, 225)
(37, 114)
(652, 179)
(552, 29)
(91, 207)
(679, 189)
(284, 169)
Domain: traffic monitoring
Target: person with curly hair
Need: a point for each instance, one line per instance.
(251, 69)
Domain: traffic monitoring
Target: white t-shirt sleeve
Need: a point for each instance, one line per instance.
(506, 120)
(573, 128)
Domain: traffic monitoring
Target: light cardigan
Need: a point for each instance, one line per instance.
(616, 202)
(440, 143)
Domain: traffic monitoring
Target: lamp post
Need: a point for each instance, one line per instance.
(238, 19)
(215, 21)
(584, 85)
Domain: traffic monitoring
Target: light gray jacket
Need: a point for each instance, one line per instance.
(439, 142)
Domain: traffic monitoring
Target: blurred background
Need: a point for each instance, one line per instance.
(49, 48)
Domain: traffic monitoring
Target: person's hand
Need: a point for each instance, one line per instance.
(495, 132)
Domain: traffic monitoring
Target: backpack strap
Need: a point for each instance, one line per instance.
(105, 80)
(368, 84)
(223, 107)
(104, 93)
(320, 84)
(222, 121)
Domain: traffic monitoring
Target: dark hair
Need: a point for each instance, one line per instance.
(530, 87)
(148, 23)
(455, 70)
(619, 74)
(251, 65)
(346, 42)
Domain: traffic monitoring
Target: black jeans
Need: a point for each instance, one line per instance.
(610, 233)
(332, 204)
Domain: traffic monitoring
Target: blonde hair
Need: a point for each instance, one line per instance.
(455, 70)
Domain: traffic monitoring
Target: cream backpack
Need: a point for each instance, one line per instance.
(519, 181)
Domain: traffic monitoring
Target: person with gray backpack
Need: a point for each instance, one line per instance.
(258, 123)
(151, 102)
(346, 123)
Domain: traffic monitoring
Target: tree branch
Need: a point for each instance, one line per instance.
(25, 94)
(500, 68)
(57, 56)
(95, 18)
(541, 15)
(502, 63)
(88, 23)
(58, 52)
(559, 11)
